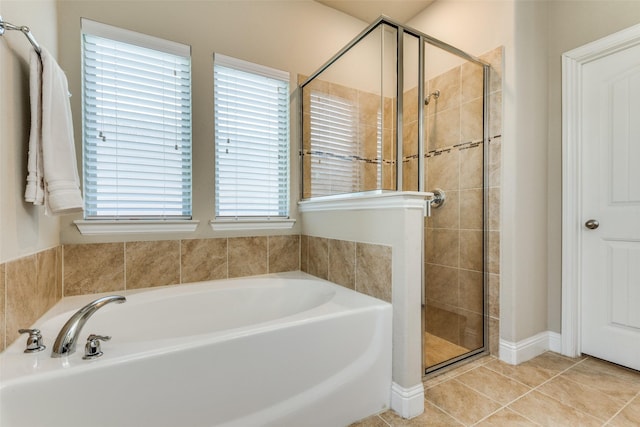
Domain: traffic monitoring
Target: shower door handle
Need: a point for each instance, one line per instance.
(592, 224)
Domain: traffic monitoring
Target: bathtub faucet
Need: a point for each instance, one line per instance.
(68, 336)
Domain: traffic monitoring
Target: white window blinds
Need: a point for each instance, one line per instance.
(334, 151)
(251, 139)
(136, 125)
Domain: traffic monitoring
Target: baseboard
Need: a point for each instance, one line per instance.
(407, 402)
(528, 348)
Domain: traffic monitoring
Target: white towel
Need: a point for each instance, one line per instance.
(58, 156)
(34, 192)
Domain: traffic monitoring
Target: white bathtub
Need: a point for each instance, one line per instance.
(276, 350)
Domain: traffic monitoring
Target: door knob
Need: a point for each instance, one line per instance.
(592, 224)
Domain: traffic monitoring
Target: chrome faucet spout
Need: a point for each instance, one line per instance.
(68, 336)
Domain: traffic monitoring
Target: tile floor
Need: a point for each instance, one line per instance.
(550, 390)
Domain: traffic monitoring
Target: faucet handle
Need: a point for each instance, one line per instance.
(34, 341)
(92, 349)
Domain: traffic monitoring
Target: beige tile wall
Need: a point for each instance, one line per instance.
(359, 266)
(29, 286)
(454, 233)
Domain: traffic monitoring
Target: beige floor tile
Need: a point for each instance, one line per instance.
(506, 417)
(373, 421)
(609, 379)
(461, 402)
(496, 386)
(553, 362)
(582, 397)
(629, 416)
(527, 374)
(547, 411)
(432, 416)
(604, 367)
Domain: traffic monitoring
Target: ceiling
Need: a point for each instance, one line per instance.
(369, 10)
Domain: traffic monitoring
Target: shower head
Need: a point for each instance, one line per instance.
(435, 94)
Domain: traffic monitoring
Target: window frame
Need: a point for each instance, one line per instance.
(240, 221)
(103, 224)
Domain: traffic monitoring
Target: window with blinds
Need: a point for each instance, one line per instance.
(251, 105)
(136, 125)
(334, 151)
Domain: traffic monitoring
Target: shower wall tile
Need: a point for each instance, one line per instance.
(284, 253)
(93, 268)
(445, 323)
(495, 58)
(203, 259)
(471, 114)
(150, 264)
(494, 208)
(442, 285)
(471, 291)
(495, 162)
(410, 102)
(471, 209)
(373, 270)
(447, 215)
(342, 263)
(471, 253)
(442, 247)
(495, 114)
(494, 296)
(443, 171)
(318, 257)
(247, 256)
(368, 107)
(3, 313)
(471, 167)
(410, 175)
(473, 332)
(494, 252)
(444, 129)
(410, 139)
(471, 81)
(448, 84)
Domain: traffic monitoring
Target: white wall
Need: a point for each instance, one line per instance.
(24, 229)
(295, 36)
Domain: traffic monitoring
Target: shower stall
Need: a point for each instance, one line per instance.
(399, 111)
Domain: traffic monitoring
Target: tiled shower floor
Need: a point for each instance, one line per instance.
(438, 350)
(550, 390)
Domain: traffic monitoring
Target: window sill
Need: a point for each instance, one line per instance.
(252, 224)
(94, 227)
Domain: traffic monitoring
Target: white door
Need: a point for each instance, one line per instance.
(610, 194)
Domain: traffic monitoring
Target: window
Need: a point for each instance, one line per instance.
(251, 140)
(136, 125)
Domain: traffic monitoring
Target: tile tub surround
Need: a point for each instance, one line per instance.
(170, 262)
(30, 285)
(362, 267)
(550, 390)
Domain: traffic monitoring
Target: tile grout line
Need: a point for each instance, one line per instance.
(545, 382)
(532, 389)
(622, 409)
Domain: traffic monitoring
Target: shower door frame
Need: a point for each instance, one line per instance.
(422, 39)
